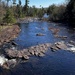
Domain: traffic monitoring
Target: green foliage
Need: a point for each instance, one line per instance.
(25, 8)
(19, 10)
(9, 18)
(50, 9)
(69, 15)
(41, 12)
(32, 11)
(36, 12)
(19, 2)
(56, 12)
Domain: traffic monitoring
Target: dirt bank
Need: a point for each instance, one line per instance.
(9, 33)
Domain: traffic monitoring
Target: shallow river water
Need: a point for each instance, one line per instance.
(53, 63)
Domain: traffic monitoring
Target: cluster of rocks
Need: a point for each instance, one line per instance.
(62, 37)
(59, 45)
(55, 32)
(38, 50)
(11, 55)
(27, 20)
(69, 46)
(9, 33)
(7, 63)
(11, 63)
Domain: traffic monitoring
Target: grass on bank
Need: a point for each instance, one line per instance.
(4, 27)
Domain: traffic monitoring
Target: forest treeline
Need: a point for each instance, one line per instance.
(10, 11)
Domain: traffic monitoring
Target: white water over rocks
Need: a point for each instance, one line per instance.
(3, 60)
(71, 49)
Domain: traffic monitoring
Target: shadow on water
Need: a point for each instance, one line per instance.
(53, 63)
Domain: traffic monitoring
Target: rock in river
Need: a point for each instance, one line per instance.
(59, 45)
(40, 34)
(7, 64)
(25, 53)
(38, 50)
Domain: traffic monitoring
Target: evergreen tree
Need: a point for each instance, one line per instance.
(19, 9)
(9, 18)
(70, 12)
(14, 2)
(26, 7)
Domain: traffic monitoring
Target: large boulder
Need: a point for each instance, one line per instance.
(12, 53)
(9, 64)
(61, 45)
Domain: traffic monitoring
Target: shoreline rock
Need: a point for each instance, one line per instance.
(9, 34)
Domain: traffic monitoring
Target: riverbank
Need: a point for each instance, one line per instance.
(8, 33)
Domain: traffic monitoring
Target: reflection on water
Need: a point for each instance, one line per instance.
(53, 63)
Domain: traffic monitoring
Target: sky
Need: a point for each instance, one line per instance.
(43, 3)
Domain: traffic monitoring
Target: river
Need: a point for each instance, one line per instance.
(53, 63)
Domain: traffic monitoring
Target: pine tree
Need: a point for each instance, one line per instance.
(19, 10)
(26, 7)
(9, 18)
(14, 2)
(70, 12)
